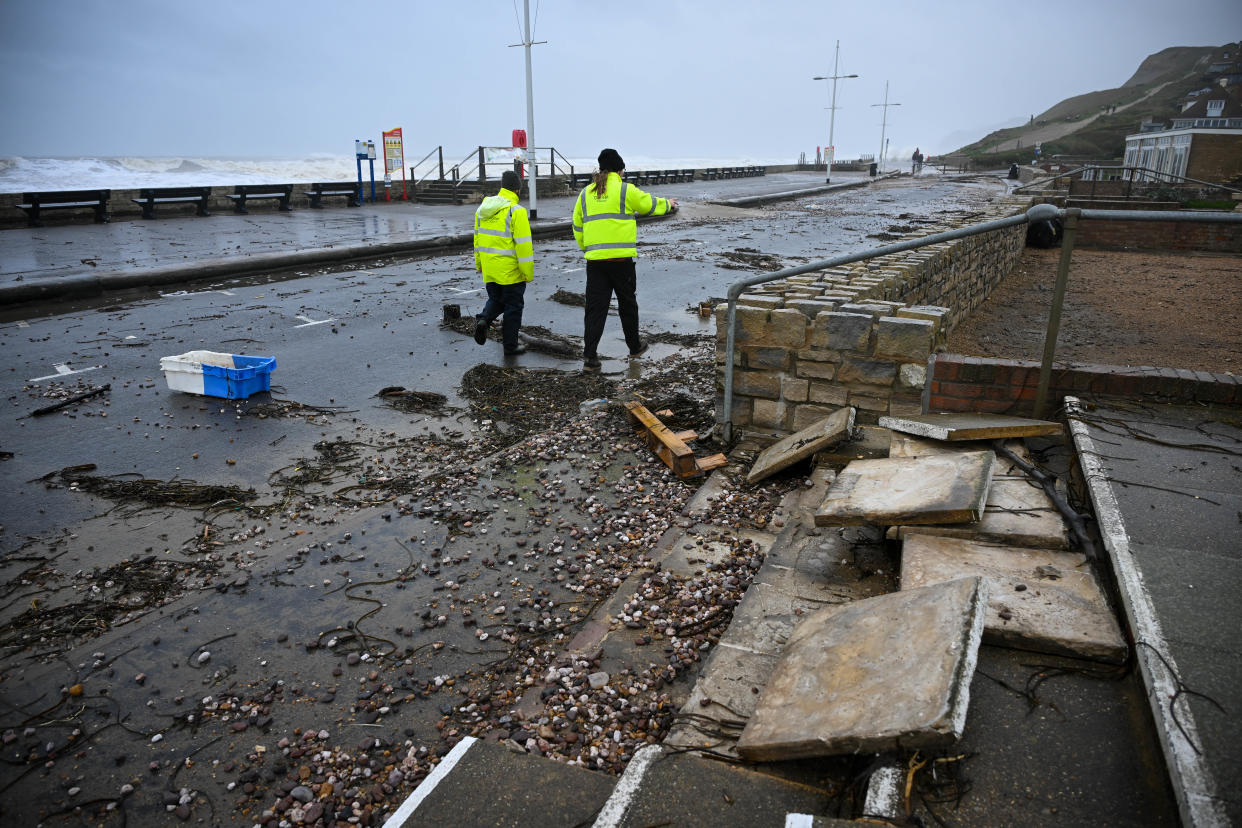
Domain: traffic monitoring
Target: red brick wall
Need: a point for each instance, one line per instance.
(1007, 386)
(1205, 237)
(1214, 157)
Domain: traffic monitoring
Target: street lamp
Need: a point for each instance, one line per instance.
(832, 118)
(530, 115)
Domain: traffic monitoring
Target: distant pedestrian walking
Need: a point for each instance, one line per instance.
(504, 254)
(606, 229)
(916, 162)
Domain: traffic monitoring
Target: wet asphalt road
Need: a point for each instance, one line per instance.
(341, 335)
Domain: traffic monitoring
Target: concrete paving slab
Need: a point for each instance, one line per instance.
(494, 786)
(908, 445)
(1079, 754)
(1017, 514)
(684, 789)
(1167, 507)
(1038, 599)
(933, 489)
(874, 675)
(819, 436)
(970, 426)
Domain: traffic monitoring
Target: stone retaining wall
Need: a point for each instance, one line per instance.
(858, 335)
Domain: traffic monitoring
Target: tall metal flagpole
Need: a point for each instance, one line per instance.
(884, 126)
(530, 120)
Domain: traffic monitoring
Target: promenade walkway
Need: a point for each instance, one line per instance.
(64, 259)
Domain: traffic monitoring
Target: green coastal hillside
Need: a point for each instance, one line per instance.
(1094, 124)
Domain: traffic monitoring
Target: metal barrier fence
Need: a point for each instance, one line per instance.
(1038, 213)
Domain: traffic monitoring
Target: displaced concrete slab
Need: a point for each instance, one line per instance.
(1018, 513)
(935, 489)
(878, 674)
(1038, 599)
(970, 426)
(819, 436)
(907, 445)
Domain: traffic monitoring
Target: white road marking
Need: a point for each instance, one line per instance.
(627, 786)
(183, 293)
(63, 370)
(460, 290)
(309, 322)
(429, 784)
(572, 269)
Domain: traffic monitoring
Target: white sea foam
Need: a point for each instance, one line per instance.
(24, 174)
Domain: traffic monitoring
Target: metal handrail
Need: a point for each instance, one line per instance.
(439, 149)
(1037, 213)
(553, 170)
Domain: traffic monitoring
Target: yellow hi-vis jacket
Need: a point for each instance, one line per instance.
(503, 252)
(607, 228)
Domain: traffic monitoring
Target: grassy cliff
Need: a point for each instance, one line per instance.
(1084, 126)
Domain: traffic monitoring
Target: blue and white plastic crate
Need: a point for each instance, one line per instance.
(232, 376)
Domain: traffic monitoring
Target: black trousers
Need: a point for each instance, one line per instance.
(509, 300)
(604, 278)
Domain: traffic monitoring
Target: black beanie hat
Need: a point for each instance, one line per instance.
(610, 161)
(510, 181)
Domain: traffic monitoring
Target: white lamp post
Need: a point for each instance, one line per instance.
(832, 118)
(884, 127)
(530, 115)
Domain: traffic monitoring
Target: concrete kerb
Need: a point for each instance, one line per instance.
(756, 200)
(91, 284)
(1189, 775)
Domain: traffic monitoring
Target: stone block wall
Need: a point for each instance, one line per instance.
(858, 335)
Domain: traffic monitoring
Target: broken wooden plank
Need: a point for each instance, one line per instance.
(950, 488)
(76, 398)
(828, 432)
(970, 426)
(667, 446)
(686, 436)
(715, 461)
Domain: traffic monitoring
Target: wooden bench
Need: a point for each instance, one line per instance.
(687, 175)
(710, 174)
(151, 196)
(35, 203)
(242, 192)
(318, 191)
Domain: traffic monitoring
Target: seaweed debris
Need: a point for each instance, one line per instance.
(527, 400)
(568, 297)
(103, 599)
(422, 402)
(141, 492)
(279, 409)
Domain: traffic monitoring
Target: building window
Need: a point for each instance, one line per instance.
(1215, 108)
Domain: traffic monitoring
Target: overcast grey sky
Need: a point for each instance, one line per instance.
(653, 78)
